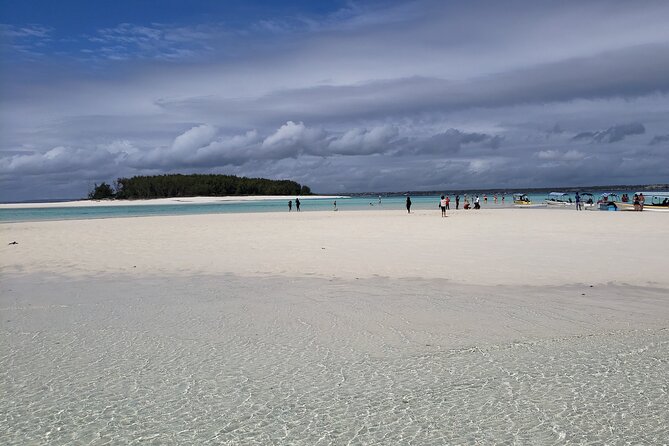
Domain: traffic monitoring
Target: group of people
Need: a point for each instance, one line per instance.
(485, 198)
(297, 205)
(445, 203)
(639, 201)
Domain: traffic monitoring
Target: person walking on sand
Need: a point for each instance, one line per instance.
(335, 205)
(477, 203)
(290, 205)
(448, 202)
(642, 200)
(297, 204)
(578, 202)
(457, 202)
(442, 205)
(408, 204)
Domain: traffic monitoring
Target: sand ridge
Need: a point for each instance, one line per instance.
(489, 247)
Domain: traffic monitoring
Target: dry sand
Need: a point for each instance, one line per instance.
(488, 247)
(491, 327)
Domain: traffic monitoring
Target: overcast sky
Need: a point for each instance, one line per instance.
(341, 96)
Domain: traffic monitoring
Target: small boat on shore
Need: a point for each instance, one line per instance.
(558, 199)
(608, 202)
(653, 201)
(587, 200)
(523, 201)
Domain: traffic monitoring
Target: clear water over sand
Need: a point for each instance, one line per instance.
(185, 207)
(281, 360)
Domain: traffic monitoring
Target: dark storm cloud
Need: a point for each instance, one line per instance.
(452, 141)
(626, 73)
(659, 139)
(612, 134)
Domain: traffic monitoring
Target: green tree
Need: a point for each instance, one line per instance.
(101, 192)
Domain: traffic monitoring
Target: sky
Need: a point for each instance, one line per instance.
(342, 96)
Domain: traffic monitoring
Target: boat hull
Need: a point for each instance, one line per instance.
(647, 207)
(560, 204)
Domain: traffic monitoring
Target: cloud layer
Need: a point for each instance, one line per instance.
(408, 96)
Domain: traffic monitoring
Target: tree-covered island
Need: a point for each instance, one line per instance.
(178, 185)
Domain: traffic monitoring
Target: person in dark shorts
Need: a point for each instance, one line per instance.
(442, 205)
(290, 205)
(408, 204)
(297, 204)
(457, 202)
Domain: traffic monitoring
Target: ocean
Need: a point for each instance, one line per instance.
(394, 203)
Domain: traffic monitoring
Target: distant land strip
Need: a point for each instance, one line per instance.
(179, 185)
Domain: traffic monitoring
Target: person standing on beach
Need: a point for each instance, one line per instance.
(297, 204)
(457, 202)
(408, 204)
(642, 200)
(335, 205)
(578, 202)
(290, 205)
(477, 203)
(448, 202)
(442, 205)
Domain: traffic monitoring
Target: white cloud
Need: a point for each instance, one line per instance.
(362, 141)
(556, 155)
(193, 138)
(56, 160)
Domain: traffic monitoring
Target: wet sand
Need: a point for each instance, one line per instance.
(119, 340)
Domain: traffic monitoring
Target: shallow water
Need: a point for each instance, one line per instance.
(226, 360)
(392, 203)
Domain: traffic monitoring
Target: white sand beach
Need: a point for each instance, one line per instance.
(371, 327)
(160, 201)
(488, 247)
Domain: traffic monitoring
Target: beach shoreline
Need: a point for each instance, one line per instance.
(164, 201)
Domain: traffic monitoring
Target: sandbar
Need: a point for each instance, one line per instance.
(161, 201)
(512, 326)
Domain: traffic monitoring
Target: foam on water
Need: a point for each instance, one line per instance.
(247, 361)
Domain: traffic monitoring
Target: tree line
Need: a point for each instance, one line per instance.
(178, 185)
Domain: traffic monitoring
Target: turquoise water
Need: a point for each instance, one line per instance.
(396, 203)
